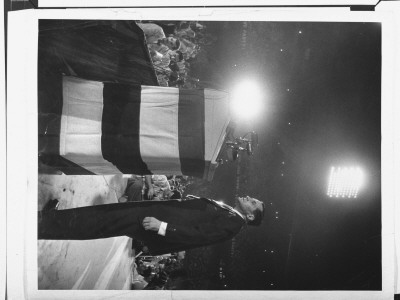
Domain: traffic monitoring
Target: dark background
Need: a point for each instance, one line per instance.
(322, 108)
(326, 84)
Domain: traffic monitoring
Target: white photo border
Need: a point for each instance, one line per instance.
(22, 270)
(200, 3)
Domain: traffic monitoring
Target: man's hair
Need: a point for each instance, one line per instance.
(180, 55)
(258, 216)
(177, 45)
(147, 272)
(175, 195)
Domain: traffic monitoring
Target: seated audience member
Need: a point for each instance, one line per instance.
(176, 56)
(133, 190)
(172, 80)
(187, 47)
(171, 42)
(161, 55)
(152, 32)
(162, 80)
(138, 281)
(164, 60)
(156, 188)
(169, 28)
(187, 33)
(159, 45)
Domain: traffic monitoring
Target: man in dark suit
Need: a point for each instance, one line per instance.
(163, 226)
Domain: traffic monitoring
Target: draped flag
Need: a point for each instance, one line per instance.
(110, 128)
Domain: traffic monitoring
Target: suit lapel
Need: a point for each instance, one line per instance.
(225, 207)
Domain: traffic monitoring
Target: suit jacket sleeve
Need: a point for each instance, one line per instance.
(222, 228)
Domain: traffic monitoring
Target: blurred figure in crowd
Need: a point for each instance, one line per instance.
(153, 187)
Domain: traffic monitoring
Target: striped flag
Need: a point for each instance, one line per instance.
(111, 128)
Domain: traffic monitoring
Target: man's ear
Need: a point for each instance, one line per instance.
(250, 217)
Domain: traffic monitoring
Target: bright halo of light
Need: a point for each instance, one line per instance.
(345, 182)
(246, 100)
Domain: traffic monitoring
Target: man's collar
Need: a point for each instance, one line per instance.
(222, 204)
(240, 214)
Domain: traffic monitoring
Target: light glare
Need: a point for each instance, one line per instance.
(345, 182)
(246, 99)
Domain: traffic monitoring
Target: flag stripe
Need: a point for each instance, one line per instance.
(112, 127)
(81, 117)
(159, 144)
(80, 130)
(216, 104)
(120, 139)
(191, 132)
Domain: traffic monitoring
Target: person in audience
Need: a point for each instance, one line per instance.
(153, 187)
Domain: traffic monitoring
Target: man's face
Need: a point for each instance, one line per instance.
(168, 194)
(174, 57)
(170, 42)
(249, 205)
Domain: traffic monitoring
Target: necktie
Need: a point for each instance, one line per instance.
(219, 204)
(226, 207)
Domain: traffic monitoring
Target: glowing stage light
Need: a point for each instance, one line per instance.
(246, 100)
(345, 182)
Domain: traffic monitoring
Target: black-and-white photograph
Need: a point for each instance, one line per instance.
(209, 155)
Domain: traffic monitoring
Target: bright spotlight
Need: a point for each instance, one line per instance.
(345, 182)
(246, 100)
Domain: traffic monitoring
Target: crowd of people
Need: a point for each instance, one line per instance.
(154, 187)
(157, 272)
(172, 46)
(154, 272)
